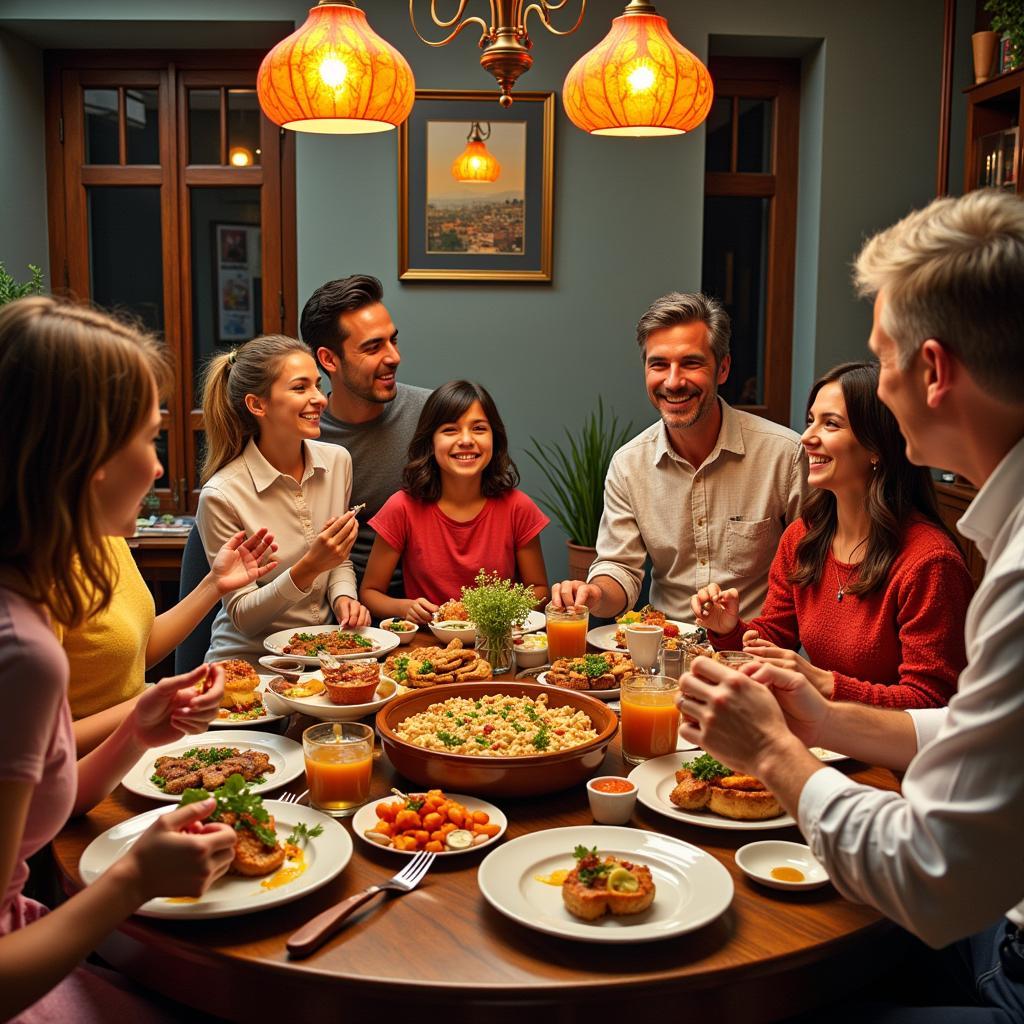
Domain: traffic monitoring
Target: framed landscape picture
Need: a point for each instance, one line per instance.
(476, 188)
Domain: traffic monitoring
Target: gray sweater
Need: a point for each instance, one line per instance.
(379, 451)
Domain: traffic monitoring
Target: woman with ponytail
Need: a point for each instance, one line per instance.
(261, 406)
(868, 580)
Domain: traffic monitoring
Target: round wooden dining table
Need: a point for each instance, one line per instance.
(443, 948)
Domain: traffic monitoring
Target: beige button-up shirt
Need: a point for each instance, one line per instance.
(249, 493)
(717, 523)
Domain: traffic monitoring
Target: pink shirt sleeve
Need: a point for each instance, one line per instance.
(527, 519)
(392, 521)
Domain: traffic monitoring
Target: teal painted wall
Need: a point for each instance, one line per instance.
(627, 213)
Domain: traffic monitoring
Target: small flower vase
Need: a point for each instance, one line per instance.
(498, 651)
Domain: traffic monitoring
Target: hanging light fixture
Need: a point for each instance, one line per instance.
(335, 75)
(239, 156)
(639, 80)
(476, 164)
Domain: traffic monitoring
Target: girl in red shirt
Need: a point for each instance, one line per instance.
(868, 580)
(459, 511)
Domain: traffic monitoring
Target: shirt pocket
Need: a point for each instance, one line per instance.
(749, 546)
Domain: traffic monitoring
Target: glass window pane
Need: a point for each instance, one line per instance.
(100, 126)
(718, 141)
(754, 144)
(227, 273)
(163, 480)
(735, 268)
(243, 128)
(125, 254)
(204, 126)
(143, 127)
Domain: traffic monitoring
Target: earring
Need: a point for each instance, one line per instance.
(874, 465)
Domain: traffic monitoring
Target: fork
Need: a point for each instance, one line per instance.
(292, 798)
(314, 933)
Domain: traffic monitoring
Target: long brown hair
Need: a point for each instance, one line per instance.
(897, 492)
(75, 387)
(229, 377)
(422, 476)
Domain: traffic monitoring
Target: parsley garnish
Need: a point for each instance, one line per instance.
(447, 738)
(302, 832)
(542, 741)
(591, 868)
(426, 667)
(483, 742)
(236, 797)
(402, 668)
(706, 767)
(518, 728)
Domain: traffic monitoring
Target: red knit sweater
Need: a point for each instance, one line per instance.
(901, 646)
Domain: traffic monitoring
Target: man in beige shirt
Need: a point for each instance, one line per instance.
(705, 493)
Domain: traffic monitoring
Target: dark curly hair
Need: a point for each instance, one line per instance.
(422, 475)
(320, 323)
(898, 491)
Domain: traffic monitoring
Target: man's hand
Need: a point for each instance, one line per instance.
(575, 594)
(821, 679)
(177, 705)
(238, 563)
(350, 613)
(716, 609)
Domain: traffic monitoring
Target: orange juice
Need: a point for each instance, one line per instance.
(649, 718)
(336, 781)
(567, 638)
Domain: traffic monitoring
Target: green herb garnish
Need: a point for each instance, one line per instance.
(593, 871)
(542, 741)
(402, 668)
(426, 668)
(447, 738)
(518, 728)
(302, 832)
(483, 742)
(237, 798)
(706, 767)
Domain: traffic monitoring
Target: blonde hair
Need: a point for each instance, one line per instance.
(75, 387)
(954, 271)
(229, 377)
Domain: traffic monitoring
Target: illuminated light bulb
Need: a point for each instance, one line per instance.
(476, 165)
(641, 78)
(240, 157)
(335, 75)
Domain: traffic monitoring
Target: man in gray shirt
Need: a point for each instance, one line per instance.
(355, 342)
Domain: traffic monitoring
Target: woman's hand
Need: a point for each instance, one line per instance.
(333, 544)
(716, 609)
(179, 854)
(238, 563)
(822, 680)
(351, 613)
(177, 705)
(419, 610)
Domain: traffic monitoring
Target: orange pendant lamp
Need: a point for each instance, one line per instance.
(639, 80)
(476, 164)
(335, 76)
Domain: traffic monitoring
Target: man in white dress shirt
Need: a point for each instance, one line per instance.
(944, 859)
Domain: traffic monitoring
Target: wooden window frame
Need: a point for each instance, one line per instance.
(172, 73)
(779, 80)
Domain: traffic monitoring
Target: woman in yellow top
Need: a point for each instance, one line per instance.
(110, 652)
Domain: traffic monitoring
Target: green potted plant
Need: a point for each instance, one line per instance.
(1008, 21)
(576, 470)
(10, 289)
(496, 606)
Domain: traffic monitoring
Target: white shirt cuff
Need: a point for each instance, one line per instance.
(286, 588)
(815, 797)
(622, 576)
(927, 723)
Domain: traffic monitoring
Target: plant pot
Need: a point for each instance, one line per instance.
(984, 45)
(496, 650)
(581, 558)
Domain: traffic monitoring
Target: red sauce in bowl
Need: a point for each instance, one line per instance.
(613, 786)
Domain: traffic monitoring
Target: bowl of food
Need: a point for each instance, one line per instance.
(496, 738)
(352, 682)
(530, 649)
(287, 668)
(402, 628)
(309, 697)
(454, 629)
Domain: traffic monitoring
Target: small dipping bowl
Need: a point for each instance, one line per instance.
(286, 668)
(404, 635)
(530, 649)
(759, 860)
(613, 807)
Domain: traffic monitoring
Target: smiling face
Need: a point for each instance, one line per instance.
(120, 484)
(838, 461)
(464, 448)
(295, 403)
(369, 360)
(681, 375)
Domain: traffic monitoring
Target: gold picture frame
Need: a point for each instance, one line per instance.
(450, 232)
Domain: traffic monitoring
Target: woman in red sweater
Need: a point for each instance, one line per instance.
(868, 580)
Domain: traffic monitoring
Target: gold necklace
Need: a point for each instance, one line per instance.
(844, 583)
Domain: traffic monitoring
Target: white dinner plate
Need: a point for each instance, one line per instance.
(656, 778)
(325, 857)
(603, 637)
(267, 716)
(366, 817)
(534, 621)
(285, 755)
(383, 640)
(692, 888)
(320, 706)
(599, 694)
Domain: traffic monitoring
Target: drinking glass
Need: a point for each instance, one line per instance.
(643, 641)
(649, 717)
(339, 763)
(567, 631)
(670, 662)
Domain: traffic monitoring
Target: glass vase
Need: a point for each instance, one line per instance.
(497, 650)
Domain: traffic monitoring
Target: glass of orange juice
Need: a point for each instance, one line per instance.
(339, 763)
(649, 717)
(567, 631)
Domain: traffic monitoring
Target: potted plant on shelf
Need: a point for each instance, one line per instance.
(576, 471)
(1008, 22)
(11, 289)
(496, 606)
